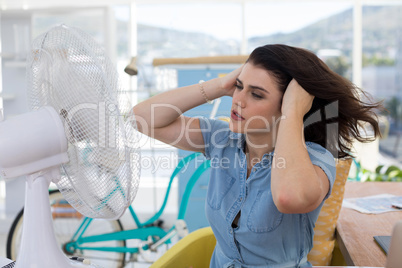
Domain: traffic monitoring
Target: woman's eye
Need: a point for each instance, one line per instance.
(239, 87)
(257, 96)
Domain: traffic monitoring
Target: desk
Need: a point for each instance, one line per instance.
(355, 230)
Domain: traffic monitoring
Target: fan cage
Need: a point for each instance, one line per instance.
(69, 71)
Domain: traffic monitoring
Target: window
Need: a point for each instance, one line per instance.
(382, 69)
(325, 28)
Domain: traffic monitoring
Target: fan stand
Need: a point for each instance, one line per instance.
(39, 248)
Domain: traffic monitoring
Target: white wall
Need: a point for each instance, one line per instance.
(15, 41)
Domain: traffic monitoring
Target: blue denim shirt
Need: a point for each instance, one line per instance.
(264, 237)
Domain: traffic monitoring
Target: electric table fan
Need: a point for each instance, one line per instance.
(79, 135)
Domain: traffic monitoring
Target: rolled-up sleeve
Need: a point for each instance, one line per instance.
(213, 132)
(322, 158)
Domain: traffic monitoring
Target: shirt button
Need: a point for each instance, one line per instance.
(231, 231)
(241, 198)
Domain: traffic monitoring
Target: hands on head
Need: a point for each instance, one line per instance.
(296, 99)
(228, 82)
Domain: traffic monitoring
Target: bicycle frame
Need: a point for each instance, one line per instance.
(143, 231)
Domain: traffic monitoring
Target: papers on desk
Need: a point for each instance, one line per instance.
(374, 204)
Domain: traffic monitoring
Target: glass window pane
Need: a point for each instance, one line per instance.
(90, 20)
(193, 29)
(382, 66)
(325, 28)
(181, 30)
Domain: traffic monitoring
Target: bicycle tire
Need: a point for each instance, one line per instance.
(65, 227)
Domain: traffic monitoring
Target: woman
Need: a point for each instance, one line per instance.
(273, 163)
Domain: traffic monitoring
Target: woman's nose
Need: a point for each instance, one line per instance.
(239, 100)
(240, 104)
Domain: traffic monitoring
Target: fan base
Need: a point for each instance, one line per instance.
(39, 248)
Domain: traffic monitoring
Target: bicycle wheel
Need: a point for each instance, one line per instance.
(66, 221)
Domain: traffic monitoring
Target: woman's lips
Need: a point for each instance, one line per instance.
(235, 116)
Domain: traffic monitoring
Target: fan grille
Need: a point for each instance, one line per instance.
(69, 71)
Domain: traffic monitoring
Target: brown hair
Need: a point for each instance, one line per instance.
(340, 110)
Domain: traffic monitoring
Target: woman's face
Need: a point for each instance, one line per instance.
(256, 105)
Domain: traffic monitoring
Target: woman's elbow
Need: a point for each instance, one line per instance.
(138, 120)
(284, 203)
(293, 203)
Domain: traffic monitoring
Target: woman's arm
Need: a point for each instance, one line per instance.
(298, 186)
(160, 117)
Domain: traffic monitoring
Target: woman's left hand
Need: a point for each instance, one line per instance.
(296, 99)
(228, 82)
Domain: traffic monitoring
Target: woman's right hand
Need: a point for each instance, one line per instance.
(228, 82)
(296, 99)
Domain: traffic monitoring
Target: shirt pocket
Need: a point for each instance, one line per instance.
(264, 216)
(219, 186)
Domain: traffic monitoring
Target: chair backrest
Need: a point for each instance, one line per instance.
(194, 250)
(324, 231)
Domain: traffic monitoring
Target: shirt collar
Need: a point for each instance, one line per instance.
(241, 141)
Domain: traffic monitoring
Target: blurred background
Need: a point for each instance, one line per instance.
(360, 40)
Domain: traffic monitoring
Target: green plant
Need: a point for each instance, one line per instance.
(381, 173)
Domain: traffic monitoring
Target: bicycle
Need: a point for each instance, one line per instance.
(103, 241)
